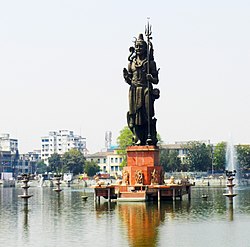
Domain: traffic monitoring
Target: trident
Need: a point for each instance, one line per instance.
(148, 34)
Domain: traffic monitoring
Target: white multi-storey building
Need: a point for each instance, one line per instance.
(8, 144)
(109, 161)
(61, 142)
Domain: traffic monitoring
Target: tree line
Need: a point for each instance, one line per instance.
(199, 156)
(72, 161)
(204, 157)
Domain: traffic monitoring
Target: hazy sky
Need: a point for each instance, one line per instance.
(61, 68)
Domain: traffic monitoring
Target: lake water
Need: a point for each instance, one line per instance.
(65, 219)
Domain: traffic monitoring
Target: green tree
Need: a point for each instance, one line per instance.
(219, 156)
(243, 156)
(124, 140)
(73, 161)
(41, 167)
(91, 168)
(55, 163)
(160, 141)
(199, 156)
(169, 160)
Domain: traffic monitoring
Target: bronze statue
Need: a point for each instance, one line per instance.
(141, 74)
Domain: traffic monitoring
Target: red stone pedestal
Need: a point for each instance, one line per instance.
(143, 179)
(144, 162)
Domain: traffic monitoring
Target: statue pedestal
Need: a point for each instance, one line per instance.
(143, 179)
(143, 166)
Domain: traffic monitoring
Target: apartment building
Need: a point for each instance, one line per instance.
(60, 142)
(8, 155)
(108, 161)
(8, 144)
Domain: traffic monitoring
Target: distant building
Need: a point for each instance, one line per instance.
(109, 162)
(8, 154)
(181, 148)
(61, 142)
(34, 155)
(8, 144)
(6, 160)
(24, 165)
(108, 139)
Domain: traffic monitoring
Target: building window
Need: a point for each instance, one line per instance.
(112, 160)
(98, 161)
(120, 160)
(104, 161)
(116, 160)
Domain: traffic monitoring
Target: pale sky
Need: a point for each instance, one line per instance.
(61, 67)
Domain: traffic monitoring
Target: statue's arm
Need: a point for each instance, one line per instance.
(127, 75)
(153, 76)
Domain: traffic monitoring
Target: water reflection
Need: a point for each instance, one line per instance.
(26, 222)
(105, 206)
(230, 212)
(65, 219)
(141, 222)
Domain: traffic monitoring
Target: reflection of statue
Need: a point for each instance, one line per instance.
(142, 221)
(141, 74)
(139, 177)
(154, 177)
(125, 177)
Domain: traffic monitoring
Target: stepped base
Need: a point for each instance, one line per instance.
(57, 190)
(229, 195)
(25, 196)
(132, 197)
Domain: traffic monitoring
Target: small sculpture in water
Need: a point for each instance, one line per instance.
(141, 74)
(25, 187)
(230, 177)
(57, 177)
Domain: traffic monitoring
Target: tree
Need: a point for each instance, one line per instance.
(55, 163)
(73, 161)
(219, 156)
(41, 167)
(199, 156)
(169, 160)
(91, 168)
(160, 141)
(124, 140)
(243, 156)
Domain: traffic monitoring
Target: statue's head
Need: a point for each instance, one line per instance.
(140, 45)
